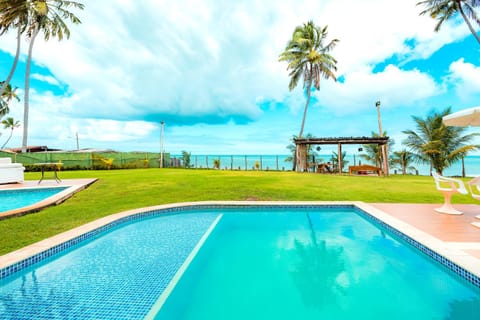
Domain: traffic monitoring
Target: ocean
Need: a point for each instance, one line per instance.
(277, 162)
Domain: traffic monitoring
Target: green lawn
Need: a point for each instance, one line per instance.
(120, 190)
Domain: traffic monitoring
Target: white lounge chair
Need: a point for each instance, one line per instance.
(474, 186)
(448, 186)
(11, 172)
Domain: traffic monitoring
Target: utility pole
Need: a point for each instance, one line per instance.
(162, 126)
(384, 147)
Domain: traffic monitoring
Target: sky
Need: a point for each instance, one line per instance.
(209, 70)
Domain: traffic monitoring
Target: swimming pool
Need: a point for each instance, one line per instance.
(19, 198)
(305, 262)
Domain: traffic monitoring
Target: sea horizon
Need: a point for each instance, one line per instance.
(277, 162)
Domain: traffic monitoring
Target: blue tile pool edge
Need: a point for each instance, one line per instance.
(144, 213)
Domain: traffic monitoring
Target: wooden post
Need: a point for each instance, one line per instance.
(301, 157)
(339, 156)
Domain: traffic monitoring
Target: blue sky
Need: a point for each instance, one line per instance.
(210, 71)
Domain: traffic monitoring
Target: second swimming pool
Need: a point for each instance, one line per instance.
(19, 198)
(261, 263)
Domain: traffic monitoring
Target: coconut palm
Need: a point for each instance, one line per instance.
(48, 17)
(6, 97)
(13, 14)
(9, 123)
(443, 10)
(437, 144)
(404, 160)
(311, 154)
(307, 54)
(373, 152)
(335, 159)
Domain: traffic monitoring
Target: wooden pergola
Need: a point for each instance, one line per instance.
(301, 146)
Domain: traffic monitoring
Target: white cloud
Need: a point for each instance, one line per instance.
(131, 63)
(393, 87)
(466, 78)
(48, 79)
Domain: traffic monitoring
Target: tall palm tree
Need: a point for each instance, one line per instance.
(11, 124)
(46, 16)
(6, 97)
(443, 10)
(13, 13)
(307, 54)
(437, 144)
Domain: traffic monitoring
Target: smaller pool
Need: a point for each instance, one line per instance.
(19, 198)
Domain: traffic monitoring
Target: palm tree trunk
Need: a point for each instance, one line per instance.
(305, 111)
(469, 25)
(27, 89)
(299, 158)
(14, 66)
(9, 137)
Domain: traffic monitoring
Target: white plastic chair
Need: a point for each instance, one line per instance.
(448, 187)
(474, 186)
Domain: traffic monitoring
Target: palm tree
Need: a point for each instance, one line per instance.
(13, 13)
(311, 154)
(443, 10)
(335, 160)
(437, 144)
(46, 16)
(6, 97)
(11, 124)
(373, 152)
(308, 56)
(404, 159)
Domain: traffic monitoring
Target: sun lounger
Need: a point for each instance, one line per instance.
(448, 187)
(474, 186)
(11, 172)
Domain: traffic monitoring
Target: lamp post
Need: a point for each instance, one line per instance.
(162, 126)
(384, 147)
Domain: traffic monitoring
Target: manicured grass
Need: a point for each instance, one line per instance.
(120, 190)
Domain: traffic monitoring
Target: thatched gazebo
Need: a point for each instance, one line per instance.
(301, 147)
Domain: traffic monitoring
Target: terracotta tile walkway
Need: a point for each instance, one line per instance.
(456, 230)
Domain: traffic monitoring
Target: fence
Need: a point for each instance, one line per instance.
(132, 160)
(90, 160)
(240, 162)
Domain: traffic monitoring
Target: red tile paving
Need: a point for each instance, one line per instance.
(455, 229)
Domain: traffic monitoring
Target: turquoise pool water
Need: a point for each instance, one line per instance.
(291, 263)
(14, 199)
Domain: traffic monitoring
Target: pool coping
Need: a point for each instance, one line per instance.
(447, 254)
(72, 186)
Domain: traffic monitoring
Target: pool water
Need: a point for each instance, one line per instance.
(291, 263)
(14, 199)
(317, 265)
